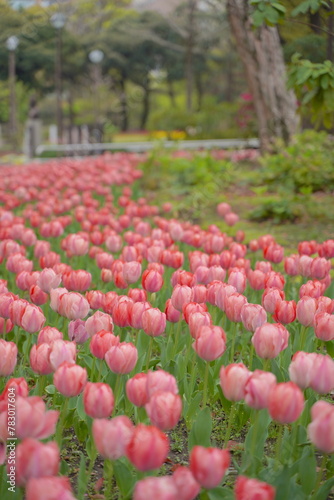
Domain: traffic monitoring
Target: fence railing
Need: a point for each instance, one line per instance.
(141, 147)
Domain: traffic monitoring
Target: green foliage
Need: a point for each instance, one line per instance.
(311, 47)
(309, 5)
(279, 211)
(218, 120)
(267, 11)
(314, 86)
(306, 166)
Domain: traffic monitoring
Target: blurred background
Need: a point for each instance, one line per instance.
(76, 71)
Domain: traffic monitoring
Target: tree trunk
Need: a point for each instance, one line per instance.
(124, 106)
(189, 56)
(261, 54)
(330, 37)
(146, 108)
(171, 92)
(200, 91)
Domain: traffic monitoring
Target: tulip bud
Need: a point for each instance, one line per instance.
(148, 448)
(209, 465)
(70, 379)
(98, 400)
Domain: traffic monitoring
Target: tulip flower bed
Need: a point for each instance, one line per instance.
(188, 363)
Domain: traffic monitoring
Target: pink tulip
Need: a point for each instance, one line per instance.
(321, 429)
(187, 486)
(73, 306)
(122, 358)
(99, 321)
(285, 311)
(270, 298)
(238, 280)
(16, 310)
(324, 326)
(32, 319)
(162, 488)
(251, 489)
(111, 437)
(62, 350)
(160, 381)
(196, 321)
(233, 379)
(101, 342)
(8, 357)
(48, 280)
(77, 280)
(274, 280)
(136, 389)
(233, 306)
(291, 265)
(258, 388)
(77, 331)
(137, 295)
(256, 279)
(181, 295)
(49, 488)
(98, 400)
(152, 281)
(70, 379)
(154, 322)
(95, 299)
(48, 334)
(148, 448)
(164, 409)
(209, 465)
(223, 293)
(132, 271)
(305, 310)
(253, 316)
(270, 339)
(37, 296)
(210, 342)
(301, 368)
(322, 379)
(320, 267)
(32, 419)
(274, 253)
(35, 459)
(285, 402)
(231, 218)
(55, 297)
(223, 209)
(40, 359)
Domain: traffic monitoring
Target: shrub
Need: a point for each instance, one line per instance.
(305, 166)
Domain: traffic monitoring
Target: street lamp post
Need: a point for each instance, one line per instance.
(11, 44)
(58, 21)
(96, 57)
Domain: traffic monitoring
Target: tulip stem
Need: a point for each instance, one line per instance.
(229, 424)
(278, 445)
(205, 385)
(177, 337)
(41, 385)
(108, 472)
(321, 471)
(93, 368)
(234, 334)
(100, 371)
(193, 371)
(303, 337)
(149, 353)
(266, 365)
(116, 391)
(251, 355)
(60, 427)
